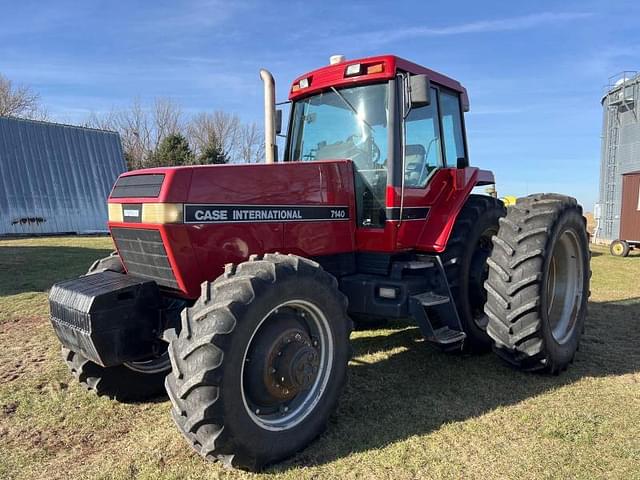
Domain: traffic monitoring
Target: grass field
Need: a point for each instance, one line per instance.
(409, 411)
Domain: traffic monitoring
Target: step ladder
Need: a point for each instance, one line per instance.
(437, 301)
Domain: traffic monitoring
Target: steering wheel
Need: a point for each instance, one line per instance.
(375, 158)
(426, 160)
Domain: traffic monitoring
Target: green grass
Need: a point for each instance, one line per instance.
(409, 411)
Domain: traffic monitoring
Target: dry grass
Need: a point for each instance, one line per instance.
(409, 411)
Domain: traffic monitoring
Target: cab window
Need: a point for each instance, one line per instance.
(423, 152)
(452, 128)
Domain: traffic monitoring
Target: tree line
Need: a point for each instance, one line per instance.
(158, 134)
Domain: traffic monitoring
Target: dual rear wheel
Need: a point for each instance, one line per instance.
(520, 278)
(538, 283)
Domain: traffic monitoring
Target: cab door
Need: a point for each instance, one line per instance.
(434, 151)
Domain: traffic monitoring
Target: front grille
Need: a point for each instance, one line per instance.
(144, 255)
(136, 186)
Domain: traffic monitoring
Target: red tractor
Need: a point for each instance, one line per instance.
(236, 287)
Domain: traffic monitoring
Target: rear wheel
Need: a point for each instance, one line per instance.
(130, 381)
(465, 262)
(619, 248)
(260, 361)
(538, 283)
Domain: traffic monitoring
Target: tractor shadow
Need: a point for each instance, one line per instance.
(35, 269)
(399, 386)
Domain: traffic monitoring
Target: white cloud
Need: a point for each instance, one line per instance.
(523, 22)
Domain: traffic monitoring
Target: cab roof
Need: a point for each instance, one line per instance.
(335, 76)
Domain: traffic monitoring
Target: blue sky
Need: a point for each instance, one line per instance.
(535, 71)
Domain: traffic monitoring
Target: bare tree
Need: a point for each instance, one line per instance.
(220, 128)
(251, 144)
(19, 101)
(100, 121)
(167, 118)
(141, 129)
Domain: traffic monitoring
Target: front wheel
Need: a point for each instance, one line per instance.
(260, 361)
(132, 381)
(538, 283)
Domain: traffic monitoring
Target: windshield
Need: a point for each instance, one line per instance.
(349, 123)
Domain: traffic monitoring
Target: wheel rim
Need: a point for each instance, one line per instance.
(478, 274)
(286, 365)
(158, 364)
(565, 282)
(618, 248)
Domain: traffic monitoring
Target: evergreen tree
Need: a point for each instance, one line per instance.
(173, 151)
(213, 153)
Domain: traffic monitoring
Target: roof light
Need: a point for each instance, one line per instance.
(335, 59)
(300, 84)
(353, 69)
(376, 68)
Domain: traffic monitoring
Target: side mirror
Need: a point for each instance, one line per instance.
(419, 91)
(278, 121)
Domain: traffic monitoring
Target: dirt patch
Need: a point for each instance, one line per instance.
(23, 324)
(9, 409)
(55, 439)
(18, 367)
(23, 347)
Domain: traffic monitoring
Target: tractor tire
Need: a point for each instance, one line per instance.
(260, 361)
(111, 263)
(132, 381)
(619, 248)
(538, 283)
(136, 382)
(465, 263)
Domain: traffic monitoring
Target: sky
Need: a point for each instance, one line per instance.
(535, 71)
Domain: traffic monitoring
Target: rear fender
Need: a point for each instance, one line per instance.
(445, 210)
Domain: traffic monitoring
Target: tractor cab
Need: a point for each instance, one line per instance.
(398, 123)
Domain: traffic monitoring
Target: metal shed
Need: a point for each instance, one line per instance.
(55, 178)
(620, 151)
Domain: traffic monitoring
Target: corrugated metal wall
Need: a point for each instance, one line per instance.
(620, 151)
(55, 178)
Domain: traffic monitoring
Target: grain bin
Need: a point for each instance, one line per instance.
(620, 153)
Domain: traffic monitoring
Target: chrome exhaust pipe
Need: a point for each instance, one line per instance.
(269, 116)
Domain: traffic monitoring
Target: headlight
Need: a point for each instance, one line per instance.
(162, 213)
(158, 213)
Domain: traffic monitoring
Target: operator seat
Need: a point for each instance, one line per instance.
(414, 164)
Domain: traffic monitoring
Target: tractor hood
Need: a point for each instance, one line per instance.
(259, 184)
(179, 226)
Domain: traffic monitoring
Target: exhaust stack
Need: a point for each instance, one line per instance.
(269, 116)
